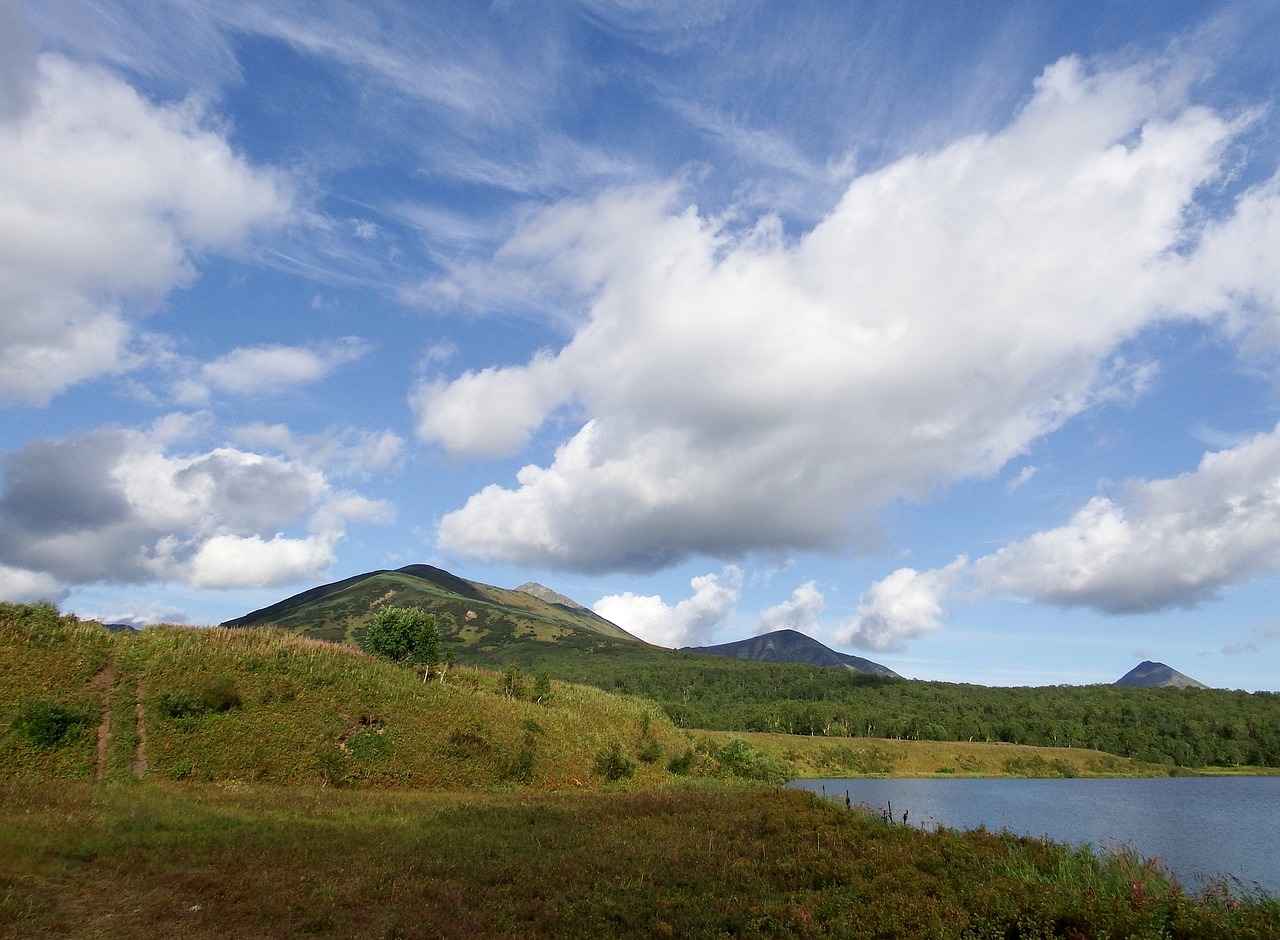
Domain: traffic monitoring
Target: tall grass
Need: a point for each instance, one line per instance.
(250, 861)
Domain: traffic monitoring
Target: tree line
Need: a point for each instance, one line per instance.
(1183, 727)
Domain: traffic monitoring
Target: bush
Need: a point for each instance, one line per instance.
(612, 764)
(406, 635)
(220, 695)
(682, 764)
(49, 724)
(739, 759)
(649, 751)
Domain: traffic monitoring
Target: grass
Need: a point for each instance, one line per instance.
(195, 861)
(812, 756)
(293, 787)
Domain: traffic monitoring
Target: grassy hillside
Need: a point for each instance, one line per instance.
(267, 706)
(478, 620)
(490, 627)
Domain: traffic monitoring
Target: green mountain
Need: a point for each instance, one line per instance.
(479, 623)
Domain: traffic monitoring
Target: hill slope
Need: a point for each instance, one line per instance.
(206, 704)
(479, 622)
(1149, 675)
(791, 646)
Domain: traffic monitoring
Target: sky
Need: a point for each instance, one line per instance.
(947, 334)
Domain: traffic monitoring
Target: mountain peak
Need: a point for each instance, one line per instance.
(792, 646)
(542, 592)
(1157, 675)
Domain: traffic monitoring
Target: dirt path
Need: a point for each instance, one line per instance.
(140, 755)
(105, 680)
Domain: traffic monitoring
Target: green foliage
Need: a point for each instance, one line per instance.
(737, 758)
(649, 751)
(612, 764)
(218, 696)
(1037, 766)
(406, 635)
(48, 724)
(513, 685)
(1179, 727)
(679, 862)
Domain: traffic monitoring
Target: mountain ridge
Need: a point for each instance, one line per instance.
(792, 646)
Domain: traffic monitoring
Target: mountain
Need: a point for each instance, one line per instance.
(550, 596)
(1157, 675)
(479, 622)
(790, 646)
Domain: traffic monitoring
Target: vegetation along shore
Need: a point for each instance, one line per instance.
(254, 783)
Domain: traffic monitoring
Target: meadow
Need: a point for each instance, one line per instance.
(252, 783)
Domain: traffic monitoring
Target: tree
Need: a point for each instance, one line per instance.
(407, 635)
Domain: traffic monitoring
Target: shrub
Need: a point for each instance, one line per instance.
(739, 759)
(220, 695)
(49, 724)
(407, 635)
(682, 764)
(612, 764)
(649, 751)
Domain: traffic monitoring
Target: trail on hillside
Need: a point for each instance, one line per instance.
(106, 679)
(140, 755)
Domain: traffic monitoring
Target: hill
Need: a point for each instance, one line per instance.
(791, 646)
(480, 623)
(1149, 675)
(264, 705)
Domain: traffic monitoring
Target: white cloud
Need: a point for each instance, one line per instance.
(747, 392)
(687, 623)
(23, 586)
(798, 612)
(1166, 543)
(115, 506)
(903, 605)
(105, 199)
(514, 403)
(253, 370)
(345, 451)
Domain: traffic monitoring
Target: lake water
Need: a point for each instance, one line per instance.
(1198, 827)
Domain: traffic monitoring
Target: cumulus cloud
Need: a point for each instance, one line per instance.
(23, 586)
(253, 370)
(798, 612)
(687, 623)
(745, 391)
(1165, 543)
(904, 605)
(115, 506)
(105, 200)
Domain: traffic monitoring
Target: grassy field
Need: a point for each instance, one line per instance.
(125, 860)
(234, 783)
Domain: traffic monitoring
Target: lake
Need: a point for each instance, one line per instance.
(1198, 827)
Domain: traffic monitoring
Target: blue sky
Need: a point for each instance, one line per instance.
(948, 334)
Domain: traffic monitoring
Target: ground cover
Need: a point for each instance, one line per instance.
(128, 860)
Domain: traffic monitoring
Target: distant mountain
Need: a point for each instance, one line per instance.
(550, 596)
(1157, 675)
(479, 622)
(791, 646)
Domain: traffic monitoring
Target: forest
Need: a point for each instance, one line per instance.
(1181, 727)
